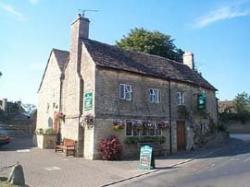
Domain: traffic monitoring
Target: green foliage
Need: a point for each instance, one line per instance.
(242, 117)
(221, 128)
(242, 103)
(1, 74)
(157, 43)
(144, 139)
(48, 131)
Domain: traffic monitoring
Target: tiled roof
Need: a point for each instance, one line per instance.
(62, 58)
(109, 56)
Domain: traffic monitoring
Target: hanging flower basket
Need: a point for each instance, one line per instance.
(59, 115)
(89, 120)
(117, 125)
(163, 125)
(137, 124)
(149, 125)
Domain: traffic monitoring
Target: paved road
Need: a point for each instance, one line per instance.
(229, 166)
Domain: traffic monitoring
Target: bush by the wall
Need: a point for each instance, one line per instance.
(144, 139)
(110, 148)
(242, 117)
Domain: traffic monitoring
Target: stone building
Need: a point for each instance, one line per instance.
(97, 86)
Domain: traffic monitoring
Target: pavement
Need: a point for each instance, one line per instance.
(45, 168)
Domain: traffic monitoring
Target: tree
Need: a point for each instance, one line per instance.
(1, 74)
(157, 43)
(242, 103)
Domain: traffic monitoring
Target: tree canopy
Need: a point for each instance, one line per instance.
(157, 43)
(242, 103)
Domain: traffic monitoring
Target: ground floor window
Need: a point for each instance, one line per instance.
(144, 128)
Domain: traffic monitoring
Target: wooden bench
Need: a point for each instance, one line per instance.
(68, 146)
(156, 146)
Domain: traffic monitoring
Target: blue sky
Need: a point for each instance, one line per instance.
(216, 31)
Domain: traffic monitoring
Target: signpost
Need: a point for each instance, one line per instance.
(201, 101)
(146, 158)
(88, 101)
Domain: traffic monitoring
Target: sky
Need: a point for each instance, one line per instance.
(216, 31)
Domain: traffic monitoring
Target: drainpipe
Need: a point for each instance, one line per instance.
(60, 96)
(170, 116)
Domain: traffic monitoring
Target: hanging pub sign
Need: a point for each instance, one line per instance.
(145, 157)
(88, 101)
(201, 101)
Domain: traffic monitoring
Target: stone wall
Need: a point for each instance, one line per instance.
(79, 79)
(49, 95)
(103, 129)
(238, 127)
(107, 95)
(109, 107)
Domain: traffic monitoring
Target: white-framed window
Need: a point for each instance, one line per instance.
(125, 92)
(180, 98)
(132, 130)
(154, 95)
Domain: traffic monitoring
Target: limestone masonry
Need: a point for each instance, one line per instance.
(97, 86)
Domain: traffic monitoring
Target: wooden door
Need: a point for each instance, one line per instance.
(181, 135)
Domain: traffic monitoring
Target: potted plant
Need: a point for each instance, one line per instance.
(89, 120)
(137, 124)
(46, 138)
(163, 125)
(116, 126)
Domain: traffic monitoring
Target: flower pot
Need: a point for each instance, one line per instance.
(46, 141)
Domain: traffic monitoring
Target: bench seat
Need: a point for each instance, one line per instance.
(68, 146)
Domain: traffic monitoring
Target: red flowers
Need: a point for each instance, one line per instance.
(110, 148)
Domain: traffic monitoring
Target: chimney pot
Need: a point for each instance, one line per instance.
(188, 59)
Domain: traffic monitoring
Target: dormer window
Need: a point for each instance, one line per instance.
(125, 92)
(154, 95)
(180, 98)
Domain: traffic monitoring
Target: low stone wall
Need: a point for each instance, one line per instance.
(238, 127)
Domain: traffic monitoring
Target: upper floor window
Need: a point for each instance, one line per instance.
(154, 95)
(125, 92)
(180, 98)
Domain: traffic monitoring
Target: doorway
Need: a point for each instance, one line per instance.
(181, 135)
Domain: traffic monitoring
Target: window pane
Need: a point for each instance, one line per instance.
(158, 132)
(129, 129)
(178, 98)
(151, 132)
(128, 92)
(182, 98)
(158, 96)
(121, 91)
(144, 132)
(135, 131)
(128, 96)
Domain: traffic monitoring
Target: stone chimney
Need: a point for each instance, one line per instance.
(80, 27)
(79, 30)
(4, 105)
(188, 59)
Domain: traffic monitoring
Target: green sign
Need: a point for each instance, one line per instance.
(201, 101)
(88, 100)
(145, 157)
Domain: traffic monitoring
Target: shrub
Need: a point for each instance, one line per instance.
(144, 139)
(49, 131)
(39, 131)
(110, 148)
